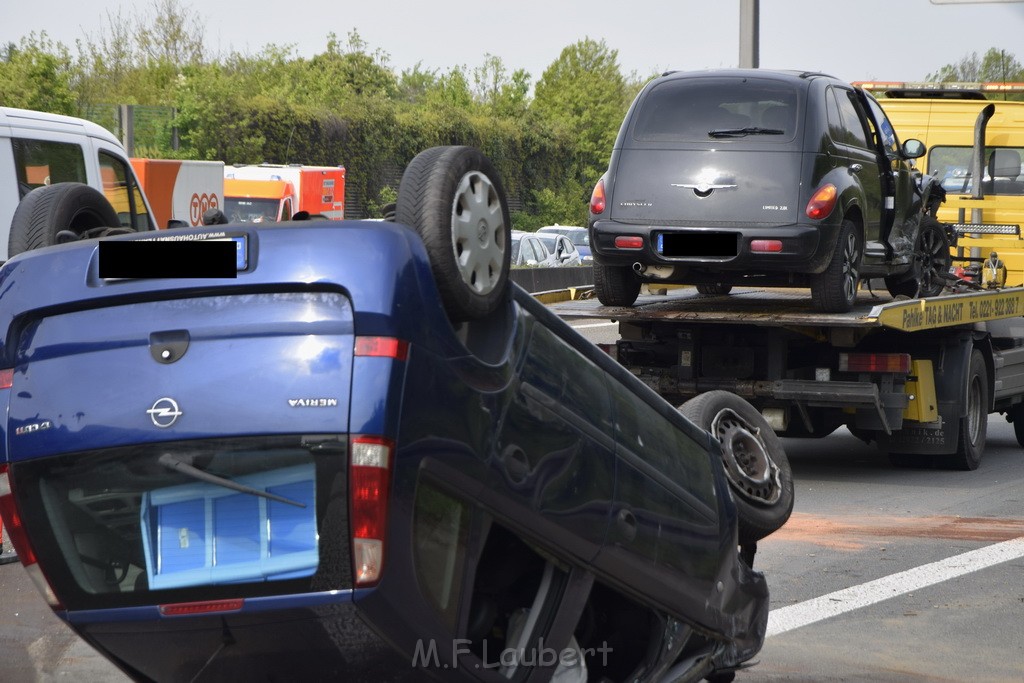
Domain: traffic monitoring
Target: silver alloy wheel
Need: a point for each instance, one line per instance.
(745, 455)
(851, 257)
(934, 255)
(478, 232)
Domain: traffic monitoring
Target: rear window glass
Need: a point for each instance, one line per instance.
(691, 109)
(192, 520)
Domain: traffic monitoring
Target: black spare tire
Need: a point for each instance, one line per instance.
(755, 462)
(454, 198)
(53, 214)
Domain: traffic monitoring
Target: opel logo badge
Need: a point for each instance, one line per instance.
(165, 412)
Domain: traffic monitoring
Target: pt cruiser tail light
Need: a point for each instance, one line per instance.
(597, 200)
(822, 202)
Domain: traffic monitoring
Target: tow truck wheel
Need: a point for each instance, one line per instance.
(453, 197)
(974, 425)
(835, 289)
(616, 285)
(755, 462)
(54, 214)
(1018, 423)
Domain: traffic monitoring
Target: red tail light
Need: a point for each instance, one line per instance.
(875, 362)
(766, 246)
(19, 539)
(188, 609)
(382, 347)
(822, 203)
(597, 200)
(629, 242)
(369, 483)
(6, 378)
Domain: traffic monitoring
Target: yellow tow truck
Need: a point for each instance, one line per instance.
(971, 131)
(918, 377)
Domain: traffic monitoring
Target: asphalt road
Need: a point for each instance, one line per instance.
(882, 574)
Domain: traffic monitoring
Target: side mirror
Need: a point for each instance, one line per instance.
(914, 149)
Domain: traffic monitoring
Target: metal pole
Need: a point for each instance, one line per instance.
(750, 15)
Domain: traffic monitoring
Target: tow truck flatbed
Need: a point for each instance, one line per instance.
(793, 308)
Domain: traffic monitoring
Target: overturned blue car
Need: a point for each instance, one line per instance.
(356, 451)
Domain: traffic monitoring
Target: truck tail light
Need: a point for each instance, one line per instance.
(597, 200)
(369, 483)
(19, 539)
(875, 362)
(822, 202)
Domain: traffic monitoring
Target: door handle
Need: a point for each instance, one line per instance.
(856, 168)
(626, 523)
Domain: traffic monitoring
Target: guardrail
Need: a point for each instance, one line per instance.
(536, 280)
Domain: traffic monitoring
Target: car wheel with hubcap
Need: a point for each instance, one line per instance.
(454, 198)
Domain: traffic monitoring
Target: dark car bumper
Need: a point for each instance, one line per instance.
(696, 252)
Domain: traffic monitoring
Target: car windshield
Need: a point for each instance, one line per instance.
(580, 238)
(692, 109)
(250, 210)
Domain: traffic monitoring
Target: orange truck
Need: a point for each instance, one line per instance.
(180, 192)
(270, 192)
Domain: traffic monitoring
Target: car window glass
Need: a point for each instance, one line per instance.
(532, 252)
(41, 162)
(123, 192)
(952, 166)
(854, 132)
(645, 434)
(688, 109)
(885, 131)
(836, 129)
(515, 250)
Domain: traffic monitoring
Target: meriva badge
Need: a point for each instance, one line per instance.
(164, 413)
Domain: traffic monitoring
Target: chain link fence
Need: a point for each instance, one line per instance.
(145, 131)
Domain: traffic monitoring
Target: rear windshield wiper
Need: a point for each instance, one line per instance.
(740, 132)
(189, 470)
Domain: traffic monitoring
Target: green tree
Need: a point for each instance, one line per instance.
(138, 58)
(503, 94)
(584, 91)
(995, 65)
(37, 74)
(343, 72)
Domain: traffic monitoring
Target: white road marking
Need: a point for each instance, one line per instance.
(580, 327)
(846, 600)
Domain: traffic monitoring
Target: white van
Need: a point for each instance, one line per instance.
(39, 149)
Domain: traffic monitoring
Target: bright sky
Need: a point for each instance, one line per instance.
(851, 39)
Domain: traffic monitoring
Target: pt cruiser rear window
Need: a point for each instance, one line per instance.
(701, 110)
